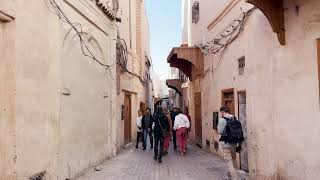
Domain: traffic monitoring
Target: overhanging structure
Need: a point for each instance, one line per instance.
(274, 11)
(175, 84)
(188, 59)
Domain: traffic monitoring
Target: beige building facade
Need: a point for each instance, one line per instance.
(61, 110)
(134, 83)
(263, 63)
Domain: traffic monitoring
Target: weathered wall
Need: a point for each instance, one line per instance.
(134, 29)
(42, 129)
(7, 96)
(280, 82)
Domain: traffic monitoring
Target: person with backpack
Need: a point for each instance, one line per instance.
(160, 130)
(231, 138)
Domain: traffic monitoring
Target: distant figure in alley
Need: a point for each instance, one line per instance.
(173, 115)
(139, 128)
(181, 126)
(231, 133)
(169, 134)
(146, 123)
(161, 127)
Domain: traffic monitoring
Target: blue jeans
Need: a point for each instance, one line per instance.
(145, 136)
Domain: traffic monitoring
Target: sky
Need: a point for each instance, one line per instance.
(166, 31)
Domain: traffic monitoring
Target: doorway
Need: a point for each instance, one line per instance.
(242, 114)
(198, 119)
(228, 99)
(127, 118)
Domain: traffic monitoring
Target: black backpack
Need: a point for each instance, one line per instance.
(233, 131)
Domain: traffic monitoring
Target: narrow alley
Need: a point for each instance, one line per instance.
(82, 80)
(132, 164)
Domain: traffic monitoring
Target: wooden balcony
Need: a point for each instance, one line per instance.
(188, 59)
(175, 84)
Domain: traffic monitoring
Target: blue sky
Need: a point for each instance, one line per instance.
(166, 31)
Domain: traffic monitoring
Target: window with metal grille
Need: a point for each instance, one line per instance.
(241, 65)
(195, 12)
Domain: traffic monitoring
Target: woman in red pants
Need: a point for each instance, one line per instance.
(166, 142)
(181, 125)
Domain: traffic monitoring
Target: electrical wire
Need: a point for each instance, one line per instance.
(226, 37)
(57, 10)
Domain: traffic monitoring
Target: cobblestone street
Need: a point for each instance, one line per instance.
(134, 164)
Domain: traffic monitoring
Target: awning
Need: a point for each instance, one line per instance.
(188, 59)
(175, 84)
(274, 11)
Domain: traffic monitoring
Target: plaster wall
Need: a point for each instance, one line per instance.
(136, 62)
(281, 85)
(43, 129)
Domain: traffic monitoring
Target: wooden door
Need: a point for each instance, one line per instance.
(244, 164)
(228, 99)
(127, 118)
(198, 119)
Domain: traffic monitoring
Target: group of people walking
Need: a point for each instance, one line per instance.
(161, 128)
(164, 126)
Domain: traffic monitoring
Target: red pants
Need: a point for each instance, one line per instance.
(166, 142)
(182, 138)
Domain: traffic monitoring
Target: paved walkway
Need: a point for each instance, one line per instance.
(135, 164)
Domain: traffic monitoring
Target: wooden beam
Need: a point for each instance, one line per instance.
(274, 11)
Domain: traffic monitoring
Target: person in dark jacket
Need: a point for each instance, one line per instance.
(173, 115)
(160, 123)
(145, 124)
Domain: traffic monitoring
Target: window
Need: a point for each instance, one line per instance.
(215, 120)
(195, 12)
(241, 65)
(228, 99)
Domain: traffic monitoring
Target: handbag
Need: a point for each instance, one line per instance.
(163, 131)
